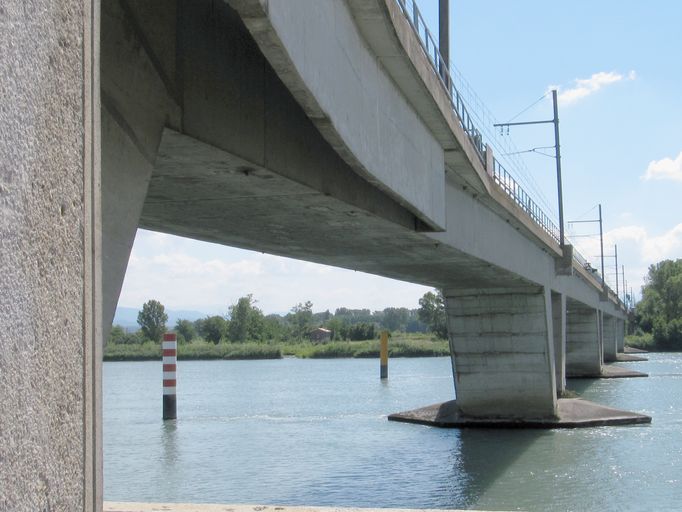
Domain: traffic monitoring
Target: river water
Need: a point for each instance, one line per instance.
(314, 432)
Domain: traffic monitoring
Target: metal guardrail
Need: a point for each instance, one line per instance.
(501, 177)
(505, 181)
(430, 47)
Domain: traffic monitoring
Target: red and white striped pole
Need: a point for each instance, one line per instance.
(170, 358)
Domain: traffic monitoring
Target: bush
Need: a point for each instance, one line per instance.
(642, 341)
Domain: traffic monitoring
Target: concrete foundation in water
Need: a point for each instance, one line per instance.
(571, 413)
(610, 371)
(629, 358)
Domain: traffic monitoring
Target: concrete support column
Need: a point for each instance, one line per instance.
(620, 335)
(50, 304)
(609, 338)
(136, 105)
(559, 334)
(502, 352)
(583, 348)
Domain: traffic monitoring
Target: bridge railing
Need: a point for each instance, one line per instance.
(507, 183)
(500, 175)
(411, 11)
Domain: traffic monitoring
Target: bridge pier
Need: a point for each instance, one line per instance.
(559, 333)
(502, 352)
(502, 344)
(609, 338)
(583, 346)
(620, 335)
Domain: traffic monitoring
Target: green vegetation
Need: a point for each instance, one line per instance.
(197, 349)
(152, 320)
(658, 316)
(245, 333)
(644, 341)
(432, 313)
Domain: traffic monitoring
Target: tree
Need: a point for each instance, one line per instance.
(301, 319)
(432, 313)
(214, 328)
(660, 310)
(246, 320)
(395, 319)
(186, 329)
(152, 319)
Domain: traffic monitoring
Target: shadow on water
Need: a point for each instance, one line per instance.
(579, 386)
(484, 455)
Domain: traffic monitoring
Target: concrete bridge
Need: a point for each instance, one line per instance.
(316, 129)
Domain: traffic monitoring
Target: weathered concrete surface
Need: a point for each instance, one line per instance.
(610, 338)
(632, 350)
(559, 334)
(571, 413)
(502, 352)
(318, 52)
(629, 358)
(110, 506)
(611, 371)
(583, 347)
(49, 343)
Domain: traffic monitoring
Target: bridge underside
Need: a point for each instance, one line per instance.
(202, 139)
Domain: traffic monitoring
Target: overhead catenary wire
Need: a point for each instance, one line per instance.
(530, 106)
(503, 146)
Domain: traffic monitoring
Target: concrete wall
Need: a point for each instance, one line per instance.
(559, 334)
(502, 350)
(583, 347)
(49, 314)
(610, 341)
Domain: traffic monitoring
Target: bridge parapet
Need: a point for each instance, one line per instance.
(501, 177)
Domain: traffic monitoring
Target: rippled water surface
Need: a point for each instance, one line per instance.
(314, 432)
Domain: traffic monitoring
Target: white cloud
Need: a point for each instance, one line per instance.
(586, 86)
(633, 240)
(185, 274)
(664, 169)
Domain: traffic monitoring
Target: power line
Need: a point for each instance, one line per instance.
(529, 106)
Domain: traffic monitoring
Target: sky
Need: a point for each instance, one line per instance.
(617, 67)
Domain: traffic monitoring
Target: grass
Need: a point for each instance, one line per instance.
(400, 345)
(197, 350)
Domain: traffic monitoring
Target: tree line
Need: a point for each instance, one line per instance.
(244, 321)
(659, 313)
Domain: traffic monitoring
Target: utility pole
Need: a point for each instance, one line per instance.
(615, 253)
(625, 288)
(557, 157)
(558, 168)
(444, 38)
(601, 243)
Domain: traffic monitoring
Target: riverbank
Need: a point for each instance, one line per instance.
(647, 343)
(399, 346)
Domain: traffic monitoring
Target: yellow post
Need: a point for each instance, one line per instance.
(384, 355)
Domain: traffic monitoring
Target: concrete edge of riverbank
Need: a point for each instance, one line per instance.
(572, 413)
(110, 506)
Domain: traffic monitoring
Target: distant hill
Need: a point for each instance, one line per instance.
(127, 317)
